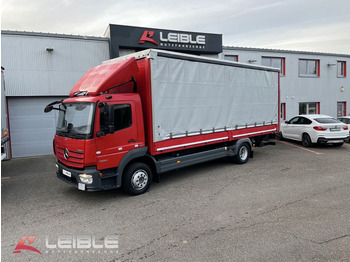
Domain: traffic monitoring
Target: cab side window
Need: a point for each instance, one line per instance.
(122, 117)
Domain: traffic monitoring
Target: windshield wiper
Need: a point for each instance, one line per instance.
(81, 93)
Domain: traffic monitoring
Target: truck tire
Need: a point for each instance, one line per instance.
(137, 179)
(243, 154)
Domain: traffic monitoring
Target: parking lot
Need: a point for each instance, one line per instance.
(288, 203)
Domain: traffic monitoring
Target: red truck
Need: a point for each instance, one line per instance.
(135, 117)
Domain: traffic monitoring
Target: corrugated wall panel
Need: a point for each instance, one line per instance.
(32, 71)
(32, 131)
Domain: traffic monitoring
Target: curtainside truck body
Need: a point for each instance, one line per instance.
(135, 117)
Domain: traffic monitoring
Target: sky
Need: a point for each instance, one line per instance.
(303, 25)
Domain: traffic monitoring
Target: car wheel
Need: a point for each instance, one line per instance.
(243, 154)
(338, 144)
(306, 140)
(279, 136)
(137, 179)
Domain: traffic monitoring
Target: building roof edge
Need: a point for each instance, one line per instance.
(283, 51)
(40, 34)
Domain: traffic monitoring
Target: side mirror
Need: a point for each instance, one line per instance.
(286, 122)
(110, 119)
(106, 120)
(48, 109)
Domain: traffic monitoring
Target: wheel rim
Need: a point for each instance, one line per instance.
(243, 153)
(305, 140)
(139, 179)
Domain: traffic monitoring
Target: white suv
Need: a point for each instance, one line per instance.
(345, 120)
(311, 129)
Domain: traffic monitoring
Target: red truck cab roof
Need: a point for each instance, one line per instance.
(102, 77)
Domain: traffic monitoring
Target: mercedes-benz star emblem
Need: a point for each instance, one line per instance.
(66, 153)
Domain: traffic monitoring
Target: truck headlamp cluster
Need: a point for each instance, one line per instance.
(85, 178)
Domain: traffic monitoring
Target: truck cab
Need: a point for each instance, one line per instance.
(95, 133)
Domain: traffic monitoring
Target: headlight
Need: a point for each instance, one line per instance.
(56, 167)
(85, 178)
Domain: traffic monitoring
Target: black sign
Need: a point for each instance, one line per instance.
(140, 38)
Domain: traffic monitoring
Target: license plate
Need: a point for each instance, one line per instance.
(66, 173)
(334, 129)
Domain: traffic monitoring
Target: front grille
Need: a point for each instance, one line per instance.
(75, 159)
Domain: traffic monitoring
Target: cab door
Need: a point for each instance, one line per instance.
(112, 147)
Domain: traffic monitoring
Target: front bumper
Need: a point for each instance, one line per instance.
(73, 179)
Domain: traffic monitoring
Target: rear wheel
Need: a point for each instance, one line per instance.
(243, 154)
(306, 140)
(137, 179)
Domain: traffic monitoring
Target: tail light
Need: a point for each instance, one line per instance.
(320, 128)
(346, 128)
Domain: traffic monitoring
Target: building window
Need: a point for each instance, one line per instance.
(309, 108)
(277, 62)
(341, 109)
(231, 58)
(341, 69)
(283, 111)
(309, 68)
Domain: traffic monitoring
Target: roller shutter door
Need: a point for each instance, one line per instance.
(31, 130)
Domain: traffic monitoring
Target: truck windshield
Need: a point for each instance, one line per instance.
(75, 120)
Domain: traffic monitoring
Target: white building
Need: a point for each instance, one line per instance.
(310, 82)
(41, 68)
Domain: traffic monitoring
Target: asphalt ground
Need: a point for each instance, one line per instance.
(285, 204)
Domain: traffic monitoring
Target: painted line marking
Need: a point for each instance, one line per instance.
(346, 144)
(303, 148)
(5, 177)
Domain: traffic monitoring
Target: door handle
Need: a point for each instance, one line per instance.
(132, 140)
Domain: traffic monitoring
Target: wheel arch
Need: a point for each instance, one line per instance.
(133, 156)
(240, 142)
(305, 132)
(149, 161)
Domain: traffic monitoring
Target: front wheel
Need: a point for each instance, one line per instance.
(279, 136)
(137, 179)
(243, 154)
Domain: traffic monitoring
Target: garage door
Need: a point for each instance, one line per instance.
(31, 130)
